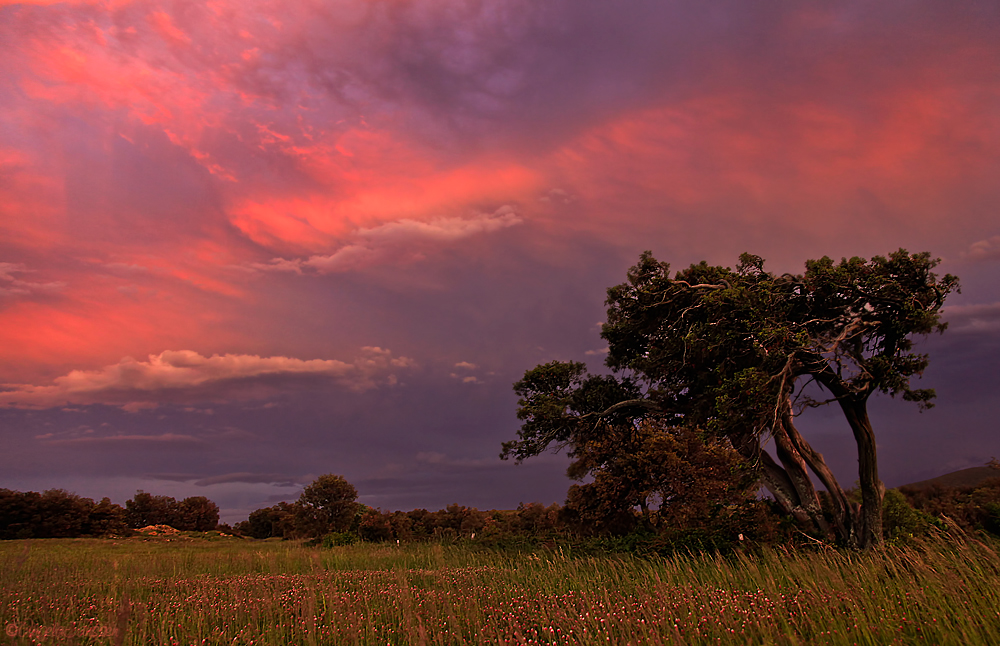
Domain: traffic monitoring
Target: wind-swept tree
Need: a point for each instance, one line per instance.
(732, 353)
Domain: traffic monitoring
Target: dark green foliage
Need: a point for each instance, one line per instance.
(106, 519)
(278, 520)
(57, 514)
(145, 509)
(991, 519)
(327, 505)
(375, 527)
(338, 539)
(196, 513)
(900, 521)
(676, 477)
(60, 514)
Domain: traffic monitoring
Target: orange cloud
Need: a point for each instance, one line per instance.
(7, 3)
(381, 189)
(31, 202)
(102, 310)
(816, 169)
(303, 165)
(164, 25)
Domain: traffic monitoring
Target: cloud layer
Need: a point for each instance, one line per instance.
(460, 181)
(395, 240)
(185, 375)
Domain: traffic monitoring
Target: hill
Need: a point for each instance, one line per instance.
(962, 478)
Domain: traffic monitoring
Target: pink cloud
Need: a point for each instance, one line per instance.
(136, 384)
(394, 241)
(163, 438)
(12, 286)
(309, 141)
(969, 319)
(786, 171)
(988, 249)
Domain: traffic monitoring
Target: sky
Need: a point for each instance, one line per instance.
(246, 243)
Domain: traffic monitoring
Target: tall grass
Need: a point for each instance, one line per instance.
(236, 592)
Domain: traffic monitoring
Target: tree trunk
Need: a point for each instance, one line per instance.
(772, 476)
(795, 467)
(872, 490)
(854, 404)
(843, 516)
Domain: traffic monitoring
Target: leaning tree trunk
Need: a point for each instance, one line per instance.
(791, 486)
(844, 519)
(853, 402)
(788, 482)
(796, 469)
(872, 490)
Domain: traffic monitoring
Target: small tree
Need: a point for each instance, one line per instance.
(327, 505)
(197, 513)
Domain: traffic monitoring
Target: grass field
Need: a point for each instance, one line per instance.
(243, 592)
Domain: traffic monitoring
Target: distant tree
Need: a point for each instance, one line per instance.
(197, 513)
(327, 505)
(57, 514)
(20, 514)
(459, 520)
(536, 519)
(62, 514)
(145, 509)
(106, 519)
(729, 352)
(971, 507)
(421, 523)
(900, 521)
(270, 521)
(375, 526)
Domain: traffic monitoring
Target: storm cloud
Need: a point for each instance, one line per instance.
(216, 217)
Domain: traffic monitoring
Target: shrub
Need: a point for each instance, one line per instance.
(339, 539)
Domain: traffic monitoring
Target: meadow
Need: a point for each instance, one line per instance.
(230, 591)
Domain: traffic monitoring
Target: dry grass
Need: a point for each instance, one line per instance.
(236, 592)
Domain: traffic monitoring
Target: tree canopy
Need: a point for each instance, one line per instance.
(327, 505)
(730, 353)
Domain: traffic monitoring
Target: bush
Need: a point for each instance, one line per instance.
(339, 539)
(900, 521)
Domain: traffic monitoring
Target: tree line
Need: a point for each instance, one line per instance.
(708, 516)
(60, 514)
(327, 509)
